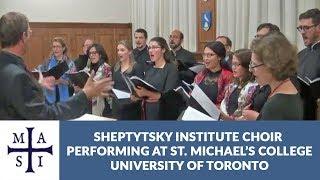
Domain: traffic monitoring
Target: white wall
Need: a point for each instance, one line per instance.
(86, 11)
(160, 17)
(239, 19)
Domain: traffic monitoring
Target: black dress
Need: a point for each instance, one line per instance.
(282, 107)
(163, 79)
(309, 66)
(125, 109)
(259, 97)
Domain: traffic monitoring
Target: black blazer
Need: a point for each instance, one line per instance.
(21, 96)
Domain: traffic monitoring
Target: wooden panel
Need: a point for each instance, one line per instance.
(122, 34)
(210, 35)
(35, 44)
(107, 39)
(74, 34)
(79, 40)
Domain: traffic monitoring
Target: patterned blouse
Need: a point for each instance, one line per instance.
(244, 98)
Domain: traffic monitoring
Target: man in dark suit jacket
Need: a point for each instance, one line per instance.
(82, 60)
(183, 57)
(141, 52)
(22, 96)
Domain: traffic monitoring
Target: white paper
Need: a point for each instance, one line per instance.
(189, 86)
(192, 114)
(197, 68)
(91, 117)
(205, 102)
(121, 94)
(183, 90)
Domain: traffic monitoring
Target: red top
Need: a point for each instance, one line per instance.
(224, 80)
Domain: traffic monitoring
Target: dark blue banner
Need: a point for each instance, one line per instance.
(189, 150)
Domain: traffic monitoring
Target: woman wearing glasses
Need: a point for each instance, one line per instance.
(98, 63)
(61, 91)
(273, 62)
(163, 76)
(239, 93)
(214, 79)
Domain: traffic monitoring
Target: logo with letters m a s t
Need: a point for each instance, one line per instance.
(19, 138)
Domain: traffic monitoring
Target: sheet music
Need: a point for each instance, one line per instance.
(183, 91)
(193, 114)
(189, 86)
(121, 94)
(91, 117)
(205, 102)
(140, 82)
(313, 80)
(197, 68)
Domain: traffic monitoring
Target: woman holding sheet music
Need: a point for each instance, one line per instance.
(163, 76)
(214, 79)
(59, 54)
(98, 63)
(126, 109)
(239, 93)
(273, 62)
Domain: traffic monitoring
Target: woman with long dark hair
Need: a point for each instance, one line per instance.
(214, 79)
(98, 64)
(239, 93)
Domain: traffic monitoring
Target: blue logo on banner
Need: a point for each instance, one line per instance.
(18, 139)
(206, 19)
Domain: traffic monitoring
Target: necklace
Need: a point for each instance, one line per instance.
(277, 87)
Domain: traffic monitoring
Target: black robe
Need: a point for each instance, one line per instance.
(163, 79)
(125, 109)
(309, 66)
(187, 59)
(142, 57)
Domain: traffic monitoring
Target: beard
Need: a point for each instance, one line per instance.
(174, 46)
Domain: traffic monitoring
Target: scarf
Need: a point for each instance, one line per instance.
(63, 89)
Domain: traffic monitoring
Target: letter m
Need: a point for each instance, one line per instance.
(17, 139)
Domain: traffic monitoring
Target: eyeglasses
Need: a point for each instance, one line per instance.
(235, 64)
(208, 55)
(93, 53)
(252, 66)
(305, 28)
(56, 47)
(154, 47)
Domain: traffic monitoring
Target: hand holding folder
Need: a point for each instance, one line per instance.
(310, 87)
(78, 78)
(57, 71)
(200, 103)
